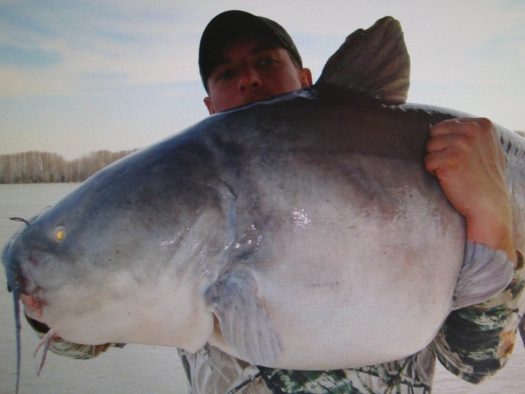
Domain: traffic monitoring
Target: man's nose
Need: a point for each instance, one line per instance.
(249, 79)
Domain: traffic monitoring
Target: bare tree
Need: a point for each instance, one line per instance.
(34, 166)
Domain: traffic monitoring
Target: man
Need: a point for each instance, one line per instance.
(244, 58)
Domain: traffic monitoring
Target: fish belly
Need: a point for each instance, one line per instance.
(353, 280)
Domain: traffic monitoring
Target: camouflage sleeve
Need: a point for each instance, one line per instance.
(476, 341)
(69, 349)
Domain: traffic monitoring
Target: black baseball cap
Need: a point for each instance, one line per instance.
(230, 25)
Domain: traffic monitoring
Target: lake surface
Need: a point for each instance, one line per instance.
(138, 369)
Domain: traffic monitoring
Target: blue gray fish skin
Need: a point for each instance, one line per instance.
(305, 224)
(245, 190)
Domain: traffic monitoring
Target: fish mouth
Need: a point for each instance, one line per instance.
(33, 306)
(31, 294)
(19, 282)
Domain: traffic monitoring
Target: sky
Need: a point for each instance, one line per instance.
(78, 76)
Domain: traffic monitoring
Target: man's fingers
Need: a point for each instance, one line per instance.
(459, 125)
(444, 127)
(436, 162)
(441, 142)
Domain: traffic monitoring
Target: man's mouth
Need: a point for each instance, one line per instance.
(256, 96)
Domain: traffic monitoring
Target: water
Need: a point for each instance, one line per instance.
(139, 369)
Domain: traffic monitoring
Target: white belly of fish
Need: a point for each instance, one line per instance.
(365, 307)
(347, 287)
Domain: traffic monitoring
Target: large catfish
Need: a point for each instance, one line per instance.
(298, 226)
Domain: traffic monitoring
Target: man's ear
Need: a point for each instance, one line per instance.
(209, 105)
(305, 76)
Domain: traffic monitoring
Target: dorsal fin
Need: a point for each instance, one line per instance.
(374, 62)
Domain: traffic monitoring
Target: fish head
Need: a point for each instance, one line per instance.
(43, 264)
(121, 258)
(79, 267)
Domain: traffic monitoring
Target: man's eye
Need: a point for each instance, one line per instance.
(225, 75)
(265, 62)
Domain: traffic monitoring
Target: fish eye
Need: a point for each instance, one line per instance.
(60, 233)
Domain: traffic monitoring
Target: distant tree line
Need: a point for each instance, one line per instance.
(45, 167)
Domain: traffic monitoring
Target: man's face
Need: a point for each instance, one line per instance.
(252, 71)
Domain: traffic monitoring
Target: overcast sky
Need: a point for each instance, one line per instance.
(78, 76)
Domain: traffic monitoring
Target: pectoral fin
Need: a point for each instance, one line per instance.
(243, 320)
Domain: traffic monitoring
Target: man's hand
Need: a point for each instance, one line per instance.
(466, 157)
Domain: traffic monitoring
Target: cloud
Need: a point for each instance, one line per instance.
(82, 75)
(154, 42)
(28, 58)
(136, 45)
